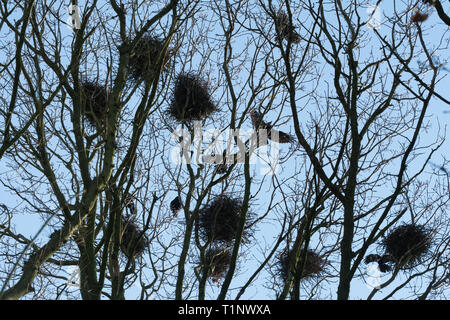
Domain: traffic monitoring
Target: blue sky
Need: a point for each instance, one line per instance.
(439, 120)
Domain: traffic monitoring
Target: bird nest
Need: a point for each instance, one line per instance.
(219, 220)
(285, 29)
(217, 261)
(418, 17)
(145, 57)
(134, 241)
(95, 102)
(313, 266)
(407, 245)
(191, 99)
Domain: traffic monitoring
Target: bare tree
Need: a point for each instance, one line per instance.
(108, 125)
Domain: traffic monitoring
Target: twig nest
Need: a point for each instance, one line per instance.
(144, 58)
(133, 242)
(191, 99)
(95, 102)
(407, 245)
(418, 16)
(219, 220)
(313, 266)
(285, 28)
(217, 261)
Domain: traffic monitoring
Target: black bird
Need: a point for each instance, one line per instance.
(258, 122)
(129, 203)
(381, 260)
(175, 206)
(384, 267)
(372, 258)
(383, 263)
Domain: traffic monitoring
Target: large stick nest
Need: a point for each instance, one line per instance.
(191, 99)
(219, 220)
(145, 56)
(408, 244)
(285, 29)
(313, 266)
(134, 241)
(419, 17)
(94, 102)
(217, 261)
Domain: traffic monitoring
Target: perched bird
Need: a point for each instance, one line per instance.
(381, 260)
(282, 136)
(372, 258)
(175, 206)
(258, 122)
(221, 168)
(383, 263)
(261, 140)
(129, 203)
(384, 267)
